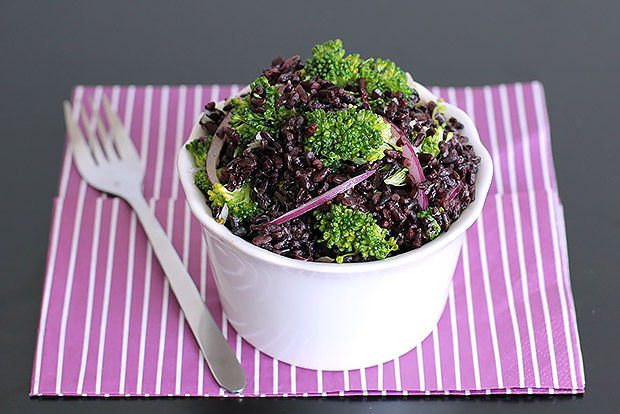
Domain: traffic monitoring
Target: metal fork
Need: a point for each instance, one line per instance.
(108, 160)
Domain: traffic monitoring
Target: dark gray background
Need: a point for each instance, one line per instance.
(572, 47)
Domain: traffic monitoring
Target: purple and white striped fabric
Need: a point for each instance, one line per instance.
(110, 327)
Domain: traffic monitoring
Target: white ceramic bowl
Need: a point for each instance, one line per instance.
(335, 316)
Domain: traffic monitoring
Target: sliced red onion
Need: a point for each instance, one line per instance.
(453, 193)
(415, 169)
(415, 172)
(422, 199)
(214, 150)
(412, 163)
(221, 218)
(396, 129)
(322, 199)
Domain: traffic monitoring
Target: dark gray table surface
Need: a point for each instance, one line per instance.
(570, 46)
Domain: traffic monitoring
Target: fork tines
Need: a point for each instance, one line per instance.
(103, 145)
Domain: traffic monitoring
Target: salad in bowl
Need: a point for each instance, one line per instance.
(334, 196)
(337, 159)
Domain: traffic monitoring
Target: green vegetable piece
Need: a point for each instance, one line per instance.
(348, 135)
(433, 229)
(248, 123)
(354, 232)
(202, 181)
(430, 145)
(199, 149)
(398, 179)
(440, 108)
(384, 75)
(329, 62)
(239, 201)
(340, 259)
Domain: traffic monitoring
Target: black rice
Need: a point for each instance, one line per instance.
(285, 175)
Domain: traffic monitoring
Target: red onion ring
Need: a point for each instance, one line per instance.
(452, 194)
(322, 199)
(412, 163)
(214, 150)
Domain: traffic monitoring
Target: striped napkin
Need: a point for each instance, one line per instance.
(110, 327)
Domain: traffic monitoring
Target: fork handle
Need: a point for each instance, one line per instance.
(220, 358)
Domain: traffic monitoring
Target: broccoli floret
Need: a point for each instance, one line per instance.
(202, 181)
(329, 62)
(248, 123)
(353, 232)
(383, 74)
(348, 135)
(440, 108)
(430, 145)
(398, 179)
(240, 203)
(199, 149)
(433, 229)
